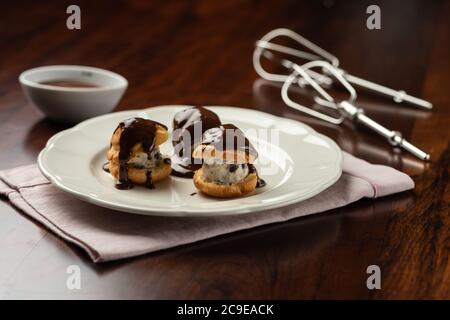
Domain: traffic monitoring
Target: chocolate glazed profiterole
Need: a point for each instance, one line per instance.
(227, 169)
(185, 124)
(134, 155)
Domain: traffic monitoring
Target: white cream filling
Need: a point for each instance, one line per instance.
(142, 160)
(224, 173)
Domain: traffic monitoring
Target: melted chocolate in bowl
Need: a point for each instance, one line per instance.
(67, 83)
(135, 131)
(188, 128)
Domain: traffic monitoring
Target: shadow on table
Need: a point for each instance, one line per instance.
(40, 132)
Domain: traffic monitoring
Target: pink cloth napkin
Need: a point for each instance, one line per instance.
(107, 235)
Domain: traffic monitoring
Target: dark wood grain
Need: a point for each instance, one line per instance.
(199, 52)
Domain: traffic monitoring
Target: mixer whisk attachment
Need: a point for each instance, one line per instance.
(314, 52)
(320, 72)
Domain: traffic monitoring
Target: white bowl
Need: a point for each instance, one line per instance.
(73, 104)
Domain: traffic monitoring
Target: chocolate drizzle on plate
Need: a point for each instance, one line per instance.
(135, 131)
(191, 123)
(105, 167)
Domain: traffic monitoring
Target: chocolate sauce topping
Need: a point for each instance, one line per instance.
(190, 123)
(228, 136)
(183, 167)
(149, 182)
(135, 131)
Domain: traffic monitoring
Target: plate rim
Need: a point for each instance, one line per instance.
(179, 212)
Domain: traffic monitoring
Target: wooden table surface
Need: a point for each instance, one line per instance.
(199, 52)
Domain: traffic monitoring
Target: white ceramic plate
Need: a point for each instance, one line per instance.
(295, 161)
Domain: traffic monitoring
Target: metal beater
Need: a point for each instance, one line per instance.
(323, 78)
